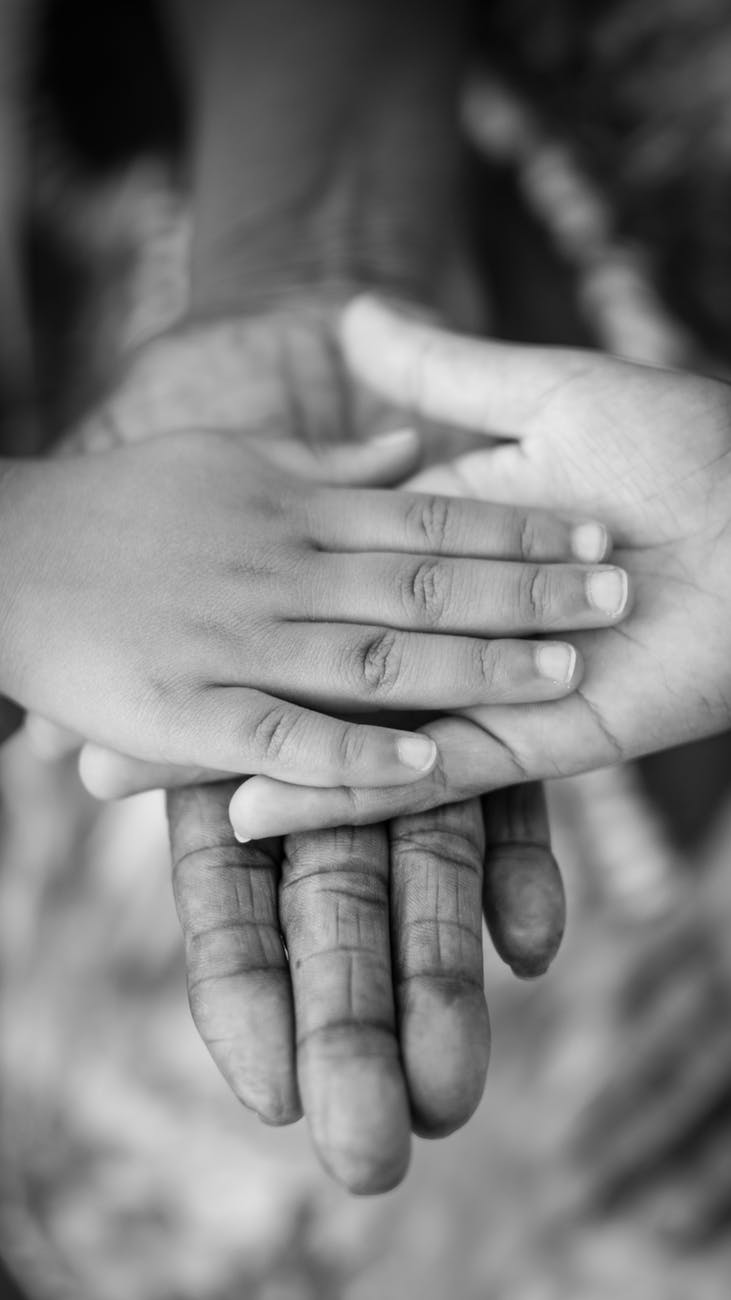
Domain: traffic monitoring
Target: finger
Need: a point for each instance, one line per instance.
(436, 926)
(505, 474)
(382, 460)
(238, 980)
(261, 804)
(481, 597)
(109, 775)
(500, 746)
(523, 894)
(334, 912)
(476, 384)
(241, 730)
(502, 474)
(49, 741)
(450, 524)
(376, 668)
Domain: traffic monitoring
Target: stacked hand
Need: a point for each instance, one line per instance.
(647, 451)
(373, 1018)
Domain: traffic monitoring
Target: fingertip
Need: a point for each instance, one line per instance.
(590, 542)
(281, 1113)
(560, 663)
(445, 1039)
(98, 772)
(359, 1119)
(383, 460)
(609, 592)
(525, 906)
(417, 752)
(238, 809)
(395, 441)
(362, 310)
(245, 1018)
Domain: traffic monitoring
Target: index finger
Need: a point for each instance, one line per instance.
(237, 971)
(472, 383)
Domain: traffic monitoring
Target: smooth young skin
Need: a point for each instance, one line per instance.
(649, 452)
(182, 599)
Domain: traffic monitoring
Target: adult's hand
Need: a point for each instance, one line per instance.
(647, 451)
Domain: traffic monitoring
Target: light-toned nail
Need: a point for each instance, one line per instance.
(242, 839)
(417, 752)
(590, 542)
(556, 660)
(607, 590)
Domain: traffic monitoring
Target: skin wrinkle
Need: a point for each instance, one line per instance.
(370, 886)
(198, 983)
(521, 770)
(433, 939)
(434, 976)
(602, 725)
(338, 1033)
(345, 948)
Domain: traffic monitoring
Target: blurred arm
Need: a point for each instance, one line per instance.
(323, 143)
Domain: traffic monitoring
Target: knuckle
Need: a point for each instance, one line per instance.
(427, 591)
(276, 733)
(534, 595)
(487, 666)
(432, 519)
(170, 698)
(350, 746)
(379, 661)
(526, 535)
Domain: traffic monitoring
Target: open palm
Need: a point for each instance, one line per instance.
(645, 450)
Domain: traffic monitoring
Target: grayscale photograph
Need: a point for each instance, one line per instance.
(365, 649)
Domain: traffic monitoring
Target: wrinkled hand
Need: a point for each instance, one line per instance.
(374, 1018)
(649, 453)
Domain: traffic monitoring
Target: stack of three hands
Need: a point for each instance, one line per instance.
(339, 971)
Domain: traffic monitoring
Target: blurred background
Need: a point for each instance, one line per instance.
(597, 211)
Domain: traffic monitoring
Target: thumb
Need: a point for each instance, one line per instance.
(381, 461)
(468, 382)
(502, 475)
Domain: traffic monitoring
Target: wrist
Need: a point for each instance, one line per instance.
(255, 270)
(324, 150)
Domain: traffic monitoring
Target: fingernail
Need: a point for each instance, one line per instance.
(417, 752)
(556, 660)
(242, 839)
(607, 590)
(396, 438)
(590, 542)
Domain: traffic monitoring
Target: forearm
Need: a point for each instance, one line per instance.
(323, 144)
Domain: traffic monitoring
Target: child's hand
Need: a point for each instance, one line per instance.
(647, 451)
(179, 595)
